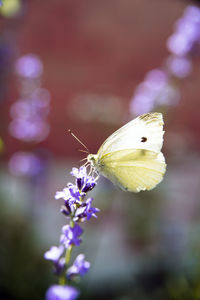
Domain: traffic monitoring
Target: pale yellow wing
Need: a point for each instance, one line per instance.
(133, 170)
(144, 132)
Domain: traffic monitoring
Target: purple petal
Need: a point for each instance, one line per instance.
(79, 267)
(54, 253)
(60, 292)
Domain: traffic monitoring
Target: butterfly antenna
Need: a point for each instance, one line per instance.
(84, 151)
(83, 159)
(74, 136)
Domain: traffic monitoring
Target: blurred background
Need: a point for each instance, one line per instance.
(92, 66)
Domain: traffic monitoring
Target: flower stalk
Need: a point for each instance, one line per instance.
(77, 209)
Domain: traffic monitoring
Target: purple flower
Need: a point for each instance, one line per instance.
(89, 184)
(84, 182)
(71, 194)
(155, 90)
(74, 191)
(179, 66)
(64, 194)
(178, 44)
(79, 173)
(54, 253)
(25, 164)
(1, 2)
(91, 211)
(29, 129)
(77, 209)
(79, 267)
(29, 108)
(71, 235)
(61, 292)
(187, 33)
(29, 66)
(86, 211)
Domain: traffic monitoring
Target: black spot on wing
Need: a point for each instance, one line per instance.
(143, 139)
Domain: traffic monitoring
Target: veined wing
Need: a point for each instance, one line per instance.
(133, 170)
(144, 132)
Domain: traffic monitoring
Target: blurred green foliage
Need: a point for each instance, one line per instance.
(23, 272)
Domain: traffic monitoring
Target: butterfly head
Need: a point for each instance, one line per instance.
(92, 159)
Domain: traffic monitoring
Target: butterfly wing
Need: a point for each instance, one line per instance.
(144, 132)
(131, 156)
(133, 170)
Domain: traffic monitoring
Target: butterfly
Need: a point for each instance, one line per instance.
(131, 157)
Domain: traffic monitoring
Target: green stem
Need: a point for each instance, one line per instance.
(61, 280)
(68, 254)
(72, 223)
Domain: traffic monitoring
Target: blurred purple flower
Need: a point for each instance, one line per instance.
(155, 90)
(178, 44)
(25, 164)
(29, 122)
(1, 2)
(71, 235)
(179, 67)
(29, 130)
(79, 267)
(187, 32)
(29, 66)
(30, 108)
(61, 292)
(54, 253)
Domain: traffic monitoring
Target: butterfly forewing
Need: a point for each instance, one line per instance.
(144, 132)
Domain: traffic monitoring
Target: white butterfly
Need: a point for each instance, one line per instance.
(131, 157)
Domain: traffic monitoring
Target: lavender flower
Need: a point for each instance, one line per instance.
(29, 130)
(71, 235)
(77, 208)
(70, 194)
(29, 66)
(155, 90)
(74, 195)
(60, 292)
(79, 267)
(86, 211)
(91, 211)
(179, 67)
(158, 87)
(54, 253)
(187, 34)
(84, 182)
(25, 164)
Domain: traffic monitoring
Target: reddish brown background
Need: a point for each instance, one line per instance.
(103, 47)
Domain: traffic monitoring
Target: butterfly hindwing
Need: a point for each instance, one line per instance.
(133, 170)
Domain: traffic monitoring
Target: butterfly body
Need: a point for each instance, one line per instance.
(131, 157)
